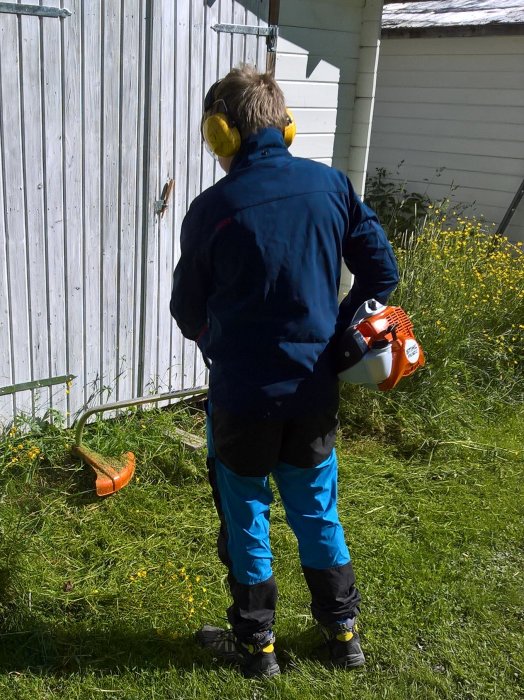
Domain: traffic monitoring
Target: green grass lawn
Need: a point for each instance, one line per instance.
(100, 598)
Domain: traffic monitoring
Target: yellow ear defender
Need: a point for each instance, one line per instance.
(222, 136)
(290, 129)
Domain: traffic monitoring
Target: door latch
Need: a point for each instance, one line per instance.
(162, 203)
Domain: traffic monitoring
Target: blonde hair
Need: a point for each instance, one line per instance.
(253, 100)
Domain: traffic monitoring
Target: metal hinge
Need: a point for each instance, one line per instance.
(270, 32)
(38, 10)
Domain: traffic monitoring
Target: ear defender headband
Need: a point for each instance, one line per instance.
(220, 133)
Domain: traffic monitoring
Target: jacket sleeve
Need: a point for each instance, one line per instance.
(191, 280)
(369, 257)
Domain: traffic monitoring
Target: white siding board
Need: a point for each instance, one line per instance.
(109, 195)
(238, 40)
(6, 402)
(319, 145)
(498, 114)
(338, 15)
(481, 62)
(318, 95)
(323, 121)
(451, 161)
(150, 305)
(447, 144)
(500, 182)
(92, 174)
(196, 95)
(181, 164)
(73, 195)
(130, 192)
(53, 189)
(33, 184)
(321, 42)
(485, 81)
(12, 144)
(453, 128)
(452, 96)
(455, 46)
(307, 67)
(165, 172)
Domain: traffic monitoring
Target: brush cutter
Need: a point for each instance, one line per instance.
(113, 473)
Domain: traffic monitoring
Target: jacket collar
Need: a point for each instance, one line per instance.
(266, 142)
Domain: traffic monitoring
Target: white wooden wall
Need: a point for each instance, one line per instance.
(317, 61)
(326, 65)
(97, 112)
(455, 103)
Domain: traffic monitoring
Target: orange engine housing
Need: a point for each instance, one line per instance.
(393, 325)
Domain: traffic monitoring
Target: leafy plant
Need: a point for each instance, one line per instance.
(398, 209)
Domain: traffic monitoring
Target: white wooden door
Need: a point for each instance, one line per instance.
(187, 57)
(98, 110)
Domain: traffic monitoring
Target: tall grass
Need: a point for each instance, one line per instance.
(463, 288)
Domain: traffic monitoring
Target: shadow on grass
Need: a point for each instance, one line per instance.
(64, 651)
(61, 652)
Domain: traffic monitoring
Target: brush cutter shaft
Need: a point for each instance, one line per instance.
(154, 398)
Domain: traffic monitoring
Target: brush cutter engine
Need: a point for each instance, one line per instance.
(379, 347)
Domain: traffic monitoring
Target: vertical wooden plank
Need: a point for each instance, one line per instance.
(184, 161)
(210, 171)
(238, 44)
(92, 215)
(263, 15)
(6, 402)
(53, 203)
(110, 118)
(211, 39)
(225, 46)
(181, 165)
(33, 178)
(144, 8)
(251, 41)
(73, 197)
(14, 203)
(149, 271)
(130, 191)
(165, 173)
(194, 155)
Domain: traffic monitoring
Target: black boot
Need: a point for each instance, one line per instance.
(255, 655)
(343, 643)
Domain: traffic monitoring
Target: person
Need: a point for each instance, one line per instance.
(257, 287)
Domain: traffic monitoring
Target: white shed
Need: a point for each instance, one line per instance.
(100, 104)
(450, 104)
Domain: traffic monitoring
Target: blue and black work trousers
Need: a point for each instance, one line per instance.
(300, 455)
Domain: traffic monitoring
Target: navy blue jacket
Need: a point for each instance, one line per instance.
(257, 281)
